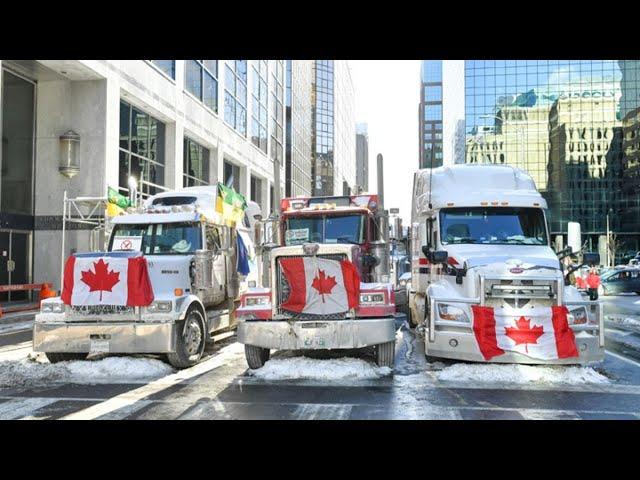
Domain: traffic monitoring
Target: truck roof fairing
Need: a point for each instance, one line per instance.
(475, 185)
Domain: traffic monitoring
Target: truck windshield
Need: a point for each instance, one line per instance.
(500, 225)
(157, 239)
(325, 229)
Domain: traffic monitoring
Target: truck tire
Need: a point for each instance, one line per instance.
(190, 340)
(55, 357)
(256, 356)
(385, 354)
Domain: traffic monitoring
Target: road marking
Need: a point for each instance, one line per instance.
(128, 398)
(20, 407)
(628, 360)
(322, 411)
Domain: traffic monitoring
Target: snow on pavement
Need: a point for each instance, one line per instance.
(521, 374)
(624, 321)
(28, 372)
(319, 369)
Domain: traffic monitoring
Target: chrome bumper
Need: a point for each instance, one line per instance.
(316, 335)
(121, 337)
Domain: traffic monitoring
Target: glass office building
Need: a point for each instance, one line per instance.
(573, 126)
(430, 114)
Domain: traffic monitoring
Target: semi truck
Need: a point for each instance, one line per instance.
(325, 282)
(182, 246)
(486, 285)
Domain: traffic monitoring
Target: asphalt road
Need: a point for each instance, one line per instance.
(220, 387)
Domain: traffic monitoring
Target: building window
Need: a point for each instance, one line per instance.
(201, 81)
(259, 104)
(195, 163)
(235, 95)
(168, 67)
(433, 93)
(141, 150)
(256, 190)
(433, 112)
(277, 100)
(232, 175)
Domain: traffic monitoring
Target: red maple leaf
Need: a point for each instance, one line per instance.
(523, 333)
(323, 284)
(102, 280)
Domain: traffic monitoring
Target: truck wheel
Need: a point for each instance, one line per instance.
(190, 341)
(55, 357)
(256, 356)
(385, 354)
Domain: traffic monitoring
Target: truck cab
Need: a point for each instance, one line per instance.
(190, 253)
(480, 243)
(321, 232)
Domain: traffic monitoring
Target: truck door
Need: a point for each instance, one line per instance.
(218, 275)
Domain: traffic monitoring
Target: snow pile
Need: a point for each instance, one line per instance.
(521, 374)
(315, 369)
(108, 370)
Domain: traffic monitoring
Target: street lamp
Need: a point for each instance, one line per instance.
(69, 154)
(520, 131)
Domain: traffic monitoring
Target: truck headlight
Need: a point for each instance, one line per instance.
(577, 316)
(449, 312)
(257, 300)
(50, 307)
(159, 307)
(372, 299)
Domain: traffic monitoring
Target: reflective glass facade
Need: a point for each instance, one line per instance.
(141, 150)
(168, 67)
(259, 104)
(298, 127)
(277, 111)
(195, 164)
(323, 128)
(430, 114)
(201, 81)
(572, 125)
(235, 95)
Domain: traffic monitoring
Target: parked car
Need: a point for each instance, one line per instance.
(622, 280)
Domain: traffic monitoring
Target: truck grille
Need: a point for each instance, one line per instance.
(518, 293)
(102, 310)
(284, 290)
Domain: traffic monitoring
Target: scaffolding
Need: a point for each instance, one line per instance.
(87, 211)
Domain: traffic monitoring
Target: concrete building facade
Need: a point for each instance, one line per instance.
(168, 123)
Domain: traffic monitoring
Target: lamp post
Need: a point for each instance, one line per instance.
(520, 131)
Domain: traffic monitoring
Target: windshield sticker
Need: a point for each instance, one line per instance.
(127, 242)
(296, 235)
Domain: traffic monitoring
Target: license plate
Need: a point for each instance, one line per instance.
(99, 346)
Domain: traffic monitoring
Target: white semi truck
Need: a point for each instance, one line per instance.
(486, 284)
(191, 255)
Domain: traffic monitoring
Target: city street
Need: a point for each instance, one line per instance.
(222, 387)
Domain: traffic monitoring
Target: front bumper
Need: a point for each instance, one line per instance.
(119, 337)
(467, 349)
(316, 335)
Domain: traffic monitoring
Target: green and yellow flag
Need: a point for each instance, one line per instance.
(230, 204)
(117, 198)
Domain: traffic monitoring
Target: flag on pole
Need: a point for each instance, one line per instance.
(230, 204)
(320, 286)
(117, 198)
(543, 333)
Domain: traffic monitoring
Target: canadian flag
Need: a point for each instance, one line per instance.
(320, 286)
(543, 333)
(106, 280)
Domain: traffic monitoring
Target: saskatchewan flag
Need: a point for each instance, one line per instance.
(117, 202)
(117, 198)
(230, 204)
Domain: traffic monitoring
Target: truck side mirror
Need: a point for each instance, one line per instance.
(591, 258)
(439, 256)
(574, 237)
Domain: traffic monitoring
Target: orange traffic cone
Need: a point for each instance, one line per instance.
(46, 292)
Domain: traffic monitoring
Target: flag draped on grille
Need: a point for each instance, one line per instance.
(320, 286)
(230, 204)
(543, 333)
(106, 280)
